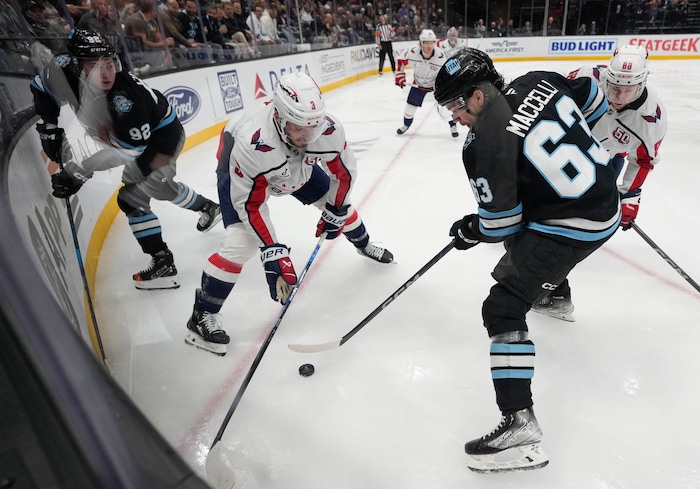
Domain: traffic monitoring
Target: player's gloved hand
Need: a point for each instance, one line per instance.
(279, 271)
(630, 206)
(64, 185)
(462, 232)
(400, 79)
(332, 221)
(51, 137)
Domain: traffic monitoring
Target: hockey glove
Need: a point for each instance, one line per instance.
(51, 137)
(630, 206)
(462, 232)
(400, 79)
(64, 185)
(279, 271)
(332, 221)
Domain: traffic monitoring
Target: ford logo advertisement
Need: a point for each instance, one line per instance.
(184, 101)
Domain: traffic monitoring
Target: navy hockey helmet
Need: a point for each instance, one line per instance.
(83, 44)
(462, 73)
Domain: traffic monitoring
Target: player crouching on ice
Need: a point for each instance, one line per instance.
(137, 128)
(290, 146)
(551, 216)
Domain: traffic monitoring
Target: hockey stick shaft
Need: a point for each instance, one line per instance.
(334, 344)
(266, 343)
(79, 255)
(666, 258)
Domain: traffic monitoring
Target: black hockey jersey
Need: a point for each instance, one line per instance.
(138, 119)
(533, 163)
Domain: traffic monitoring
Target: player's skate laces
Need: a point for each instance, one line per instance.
(161, 273)
(510, 446)
(210, 215)
(557, 307)
(204, 331)
(377, 253)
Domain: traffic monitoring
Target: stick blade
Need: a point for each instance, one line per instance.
(315, 348)
(219, 473)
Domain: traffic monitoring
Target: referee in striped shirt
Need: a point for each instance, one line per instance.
(385, 34)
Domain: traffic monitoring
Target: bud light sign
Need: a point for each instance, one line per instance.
(184, 101)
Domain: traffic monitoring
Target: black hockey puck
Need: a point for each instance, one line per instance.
(306, 370)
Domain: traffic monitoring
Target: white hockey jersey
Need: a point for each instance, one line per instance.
(446, 46)
(261, 164)
(424, 70)
(635, 131)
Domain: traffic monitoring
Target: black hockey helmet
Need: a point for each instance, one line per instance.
(461, 74)
(84, 44)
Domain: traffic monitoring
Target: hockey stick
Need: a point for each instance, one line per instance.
(76, 244)
(335, 344)
(218, 472)
(665, 257)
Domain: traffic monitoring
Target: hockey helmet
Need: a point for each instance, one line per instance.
(627, 67)
(297, 100)
(427, 35)
(84, 44)
(462, 73)
(452, 34)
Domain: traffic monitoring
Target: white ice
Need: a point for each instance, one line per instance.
(616, 392)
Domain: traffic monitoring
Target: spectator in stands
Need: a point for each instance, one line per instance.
(172, 23)
(553, 28)
(582, 30)
(480, 28)
(237, 31)
(494, 31)
(192, 25)
(50, 34)
(77, 9)
(101, 19)
(594, 29)
(213, 28)
(270, 25)
(142, 25)
(254, 22)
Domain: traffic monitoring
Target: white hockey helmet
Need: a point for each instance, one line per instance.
(427, 35)
(628, 67)
(297, 100)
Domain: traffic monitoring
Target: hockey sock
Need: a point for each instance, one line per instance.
(189, 199)
(218, 278)
(512, 369)
(147, 231)
(355, 230)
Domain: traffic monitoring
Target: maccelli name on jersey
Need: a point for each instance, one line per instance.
(530, 108)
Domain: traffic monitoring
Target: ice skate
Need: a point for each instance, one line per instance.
(376, 253)
(204, 331)
(454, 131)
(161, 274)
(210, 215)
(557, 307)
(512, 446)
(402, 129)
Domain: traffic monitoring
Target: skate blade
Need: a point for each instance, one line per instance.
(564, 316)
(198, 342)
(516, 459)
(157, 283)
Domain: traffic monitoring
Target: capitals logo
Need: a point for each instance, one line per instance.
(653, 117)
(259, 144)
(331, 127)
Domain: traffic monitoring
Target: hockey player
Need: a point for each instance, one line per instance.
(138, 129)
(632, 128)
(426, 60)
(543, 184)
(452, 43)
(291, 146)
